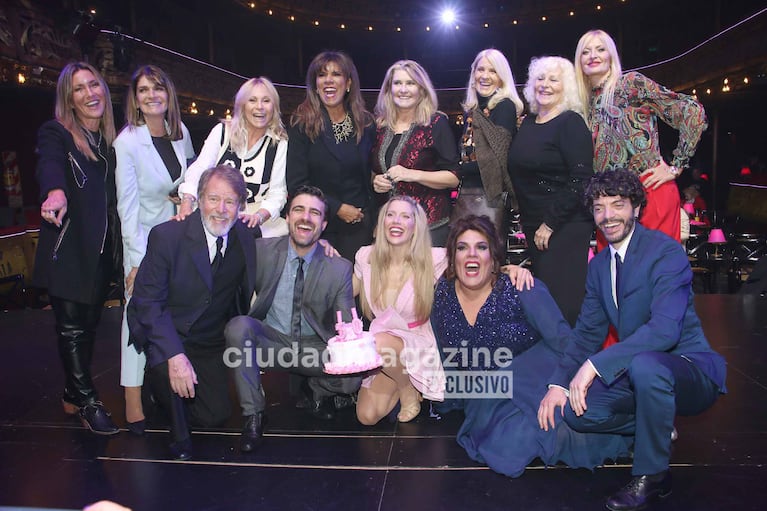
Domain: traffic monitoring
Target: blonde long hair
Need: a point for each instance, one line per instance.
(385, 110)
(584, 86)
(418, 256)
(508, 88)
(65, 109)
(238, 125)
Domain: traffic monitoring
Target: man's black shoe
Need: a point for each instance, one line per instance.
(252, 432)
(181, 450)
(320, 409)
(641, 491)
(96, 418)
(341, 401)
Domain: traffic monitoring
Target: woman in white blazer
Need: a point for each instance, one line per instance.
(255, 142)
(152, 154)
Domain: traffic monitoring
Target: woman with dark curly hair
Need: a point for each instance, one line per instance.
(491, 333)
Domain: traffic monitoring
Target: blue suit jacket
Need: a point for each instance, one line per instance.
(656, 313)
(174, 285)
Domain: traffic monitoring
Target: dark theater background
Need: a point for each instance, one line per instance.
(713, 49)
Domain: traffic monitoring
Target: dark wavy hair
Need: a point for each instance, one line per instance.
(308, 115)
(611, 183)
(484, 226)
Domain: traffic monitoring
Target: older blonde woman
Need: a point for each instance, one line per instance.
(255, 142)
(549, 160)
(415, 151)
(491, 108)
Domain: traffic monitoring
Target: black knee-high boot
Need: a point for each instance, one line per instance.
(75, 329)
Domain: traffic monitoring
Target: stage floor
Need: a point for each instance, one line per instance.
(47, 460)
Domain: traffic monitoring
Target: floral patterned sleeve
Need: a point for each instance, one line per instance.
(680, 111)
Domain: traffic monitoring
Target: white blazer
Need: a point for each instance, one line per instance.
(143, 185)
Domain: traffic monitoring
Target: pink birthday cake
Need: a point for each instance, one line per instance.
(353, 350)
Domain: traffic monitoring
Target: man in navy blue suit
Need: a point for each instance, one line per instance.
(662, 365)
(197, 273)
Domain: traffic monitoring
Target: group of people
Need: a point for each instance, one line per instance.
(225, 271)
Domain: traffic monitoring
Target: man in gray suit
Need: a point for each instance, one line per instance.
(293, 316)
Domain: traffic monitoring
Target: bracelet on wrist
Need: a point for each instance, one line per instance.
(674, 170)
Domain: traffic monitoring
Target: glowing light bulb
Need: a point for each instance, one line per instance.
(448, 16)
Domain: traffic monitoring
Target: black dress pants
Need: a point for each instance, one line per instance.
(210, 406)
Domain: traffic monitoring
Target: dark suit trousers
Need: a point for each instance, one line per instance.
(252, 346)
(210, 406)
(656, 387)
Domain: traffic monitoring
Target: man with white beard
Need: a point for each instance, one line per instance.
(197, 274)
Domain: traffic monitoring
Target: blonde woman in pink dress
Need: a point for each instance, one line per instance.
(395, 278)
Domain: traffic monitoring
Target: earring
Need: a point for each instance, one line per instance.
(348, 90)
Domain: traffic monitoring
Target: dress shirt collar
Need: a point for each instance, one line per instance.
(211, 241)
(292, 254)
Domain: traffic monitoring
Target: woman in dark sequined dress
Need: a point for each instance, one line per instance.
(415, 152)
(481, 321)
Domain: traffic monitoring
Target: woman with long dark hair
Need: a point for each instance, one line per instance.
(331, 133)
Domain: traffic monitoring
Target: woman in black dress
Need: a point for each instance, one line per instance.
(549, 160)
(79, 247)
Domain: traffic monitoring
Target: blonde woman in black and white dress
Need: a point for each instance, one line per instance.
(255, 142)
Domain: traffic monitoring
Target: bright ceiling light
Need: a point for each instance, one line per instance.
(448, 16)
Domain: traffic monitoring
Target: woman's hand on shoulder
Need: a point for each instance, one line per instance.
(521, 278)
(330, 250)
(253, 220)
(186, 208)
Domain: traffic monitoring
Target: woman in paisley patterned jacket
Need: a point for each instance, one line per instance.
(623, 112)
